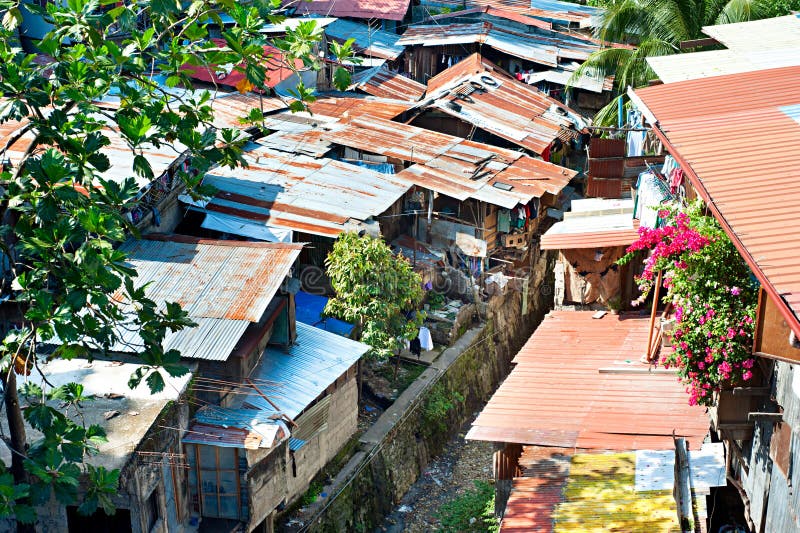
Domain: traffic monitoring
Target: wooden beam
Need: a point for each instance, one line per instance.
(775, 417)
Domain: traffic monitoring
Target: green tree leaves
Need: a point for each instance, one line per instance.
(374, 289)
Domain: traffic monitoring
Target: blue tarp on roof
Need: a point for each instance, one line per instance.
(308, 309)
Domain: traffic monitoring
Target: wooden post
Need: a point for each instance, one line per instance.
(653, 313)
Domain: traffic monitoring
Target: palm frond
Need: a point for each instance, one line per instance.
(740, 11)
(602, 63)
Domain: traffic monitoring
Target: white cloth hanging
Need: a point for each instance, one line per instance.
(425, 339)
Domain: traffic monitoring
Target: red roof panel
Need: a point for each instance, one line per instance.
(738, 139)
(578, 383)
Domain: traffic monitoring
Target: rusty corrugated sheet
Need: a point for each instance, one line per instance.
(451, 165)
(606, 147)
(738, 139)
(228, 280)
(477, 92)
(594, 237)
(382, 82)
(557, 396)
(301, 193)
(606, 168)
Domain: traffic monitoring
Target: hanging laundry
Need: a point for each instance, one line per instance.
(669, 165)
(503, 220)
(415, 346)
(651, 193)
(675, 180)
(635, 138)
(425, 339)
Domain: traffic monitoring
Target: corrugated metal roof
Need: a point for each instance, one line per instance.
(753, 45)
(294, 191)
(231, 107)
(597, 494)
(493, 13)
(561, 13)
(294, 378)
(381, 81)
(229, 280)
(451, 165)
(775, 33)
(562, 76)
(681, 67)
(369, 41)
(593, 223)
(475, 91)
(720, 130)
(223, 286)
(544, 47)
(358, 9)
(556, 394)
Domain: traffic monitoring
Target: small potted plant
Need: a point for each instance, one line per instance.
(614, 305)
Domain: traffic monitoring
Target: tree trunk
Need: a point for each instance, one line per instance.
(16, 428)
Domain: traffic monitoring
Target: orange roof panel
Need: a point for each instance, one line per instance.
(738, 139)
(578, 383)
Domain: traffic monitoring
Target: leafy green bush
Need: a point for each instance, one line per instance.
(437, 405)
(473, 511)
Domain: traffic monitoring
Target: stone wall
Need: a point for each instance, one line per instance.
(397, 448)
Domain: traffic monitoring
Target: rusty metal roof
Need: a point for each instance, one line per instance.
(224, 286)
(229, 108)
(493, 13)
(229, 280)
(578, 383)
(477, 92)
(451, 165)
(276, 65)
(293, 191)
(720, 129)
(383, 82)
(358, 9)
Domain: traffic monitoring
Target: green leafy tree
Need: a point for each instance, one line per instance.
(375, 290)
(655, 28)
(64, 281)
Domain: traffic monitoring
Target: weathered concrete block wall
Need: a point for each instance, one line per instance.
(396, 450)
(271, 477)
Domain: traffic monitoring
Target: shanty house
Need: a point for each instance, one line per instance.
(530, 48)
(476, 100)
(587, 436)
(758, 421)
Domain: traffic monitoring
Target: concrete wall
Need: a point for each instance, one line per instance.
(397, 448)
(139, 478)
(271, 479)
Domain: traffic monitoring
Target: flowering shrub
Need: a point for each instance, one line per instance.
(714, 296)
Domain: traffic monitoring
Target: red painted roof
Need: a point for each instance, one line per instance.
(738, 139)
(558, 396)
(359, 9)
(535, 495)
(278, 70)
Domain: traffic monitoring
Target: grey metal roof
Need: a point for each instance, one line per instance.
(369, 41)
(294, 191)
(294, 378)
